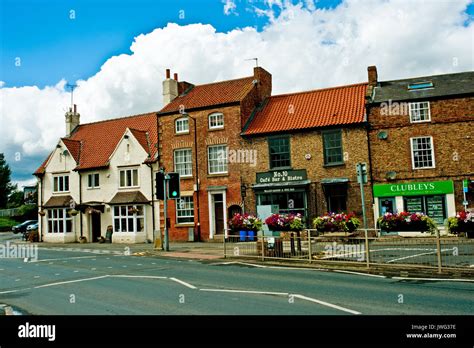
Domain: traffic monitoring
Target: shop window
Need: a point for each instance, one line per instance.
(433, 206)
(336, 197)
(288, 202)
(279, 149)
(332, 142)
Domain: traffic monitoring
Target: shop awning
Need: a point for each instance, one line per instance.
(282, 184)
(130, 197)
(331, 181)
(59, 201)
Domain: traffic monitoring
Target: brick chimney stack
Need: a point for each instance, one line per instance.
(373, 81)
(170, 87)
(73, 119)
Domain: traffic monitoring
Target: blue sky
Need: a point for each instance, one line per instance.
(52, 46)
(290, 41)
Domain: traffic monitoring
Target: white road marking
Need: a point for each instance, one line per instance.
(93, 269)
(69, 282)
(183, 283)
(76, 271)
(1, 269)
(136, 276)
(69, 258)
(36, 276)
(327, 304)
(124, 266)
(416, 255)
(436, 279)
(139, 264)
(56, 274)
(17, 280)
(20, 267)
(360, 273)
(11, 291)
(248, 292)
(109, 267)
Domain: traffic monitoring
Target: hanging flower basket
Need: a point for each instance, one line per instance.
(73, 212)
(42, 213)
(133, 210)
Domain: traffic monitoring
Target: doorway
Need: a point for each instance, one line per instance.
(95, 226)
(217, 213)
(386, 205)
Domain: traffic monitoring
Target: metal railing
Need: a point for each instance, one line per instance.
(9, 212)
(363, 248)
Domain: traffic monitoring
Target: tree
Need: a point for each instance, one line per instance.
(6, 186)
(16, 199)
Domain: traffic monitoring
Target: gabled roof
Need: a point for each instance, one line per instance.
(304, 110)
(42, 167)
(128, 197)
(98, 140)
(211, 94)
(443, 85)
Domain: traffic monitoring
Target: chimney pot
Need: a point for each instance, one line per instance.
(75, 108)
(168, 73)
(176, 76)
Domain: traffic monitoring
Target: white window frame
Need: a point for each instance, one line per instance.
(216, 116)
(181, 120)
(125, 170)
(91, 178)
(185, 164)
(209, 160)
(416, 107)
(186, 209)
(62, 189)
(432, 152)
(129, 215)
(55, 220)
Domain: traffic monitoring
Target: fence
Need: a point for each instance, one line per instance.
(362, 248)
(9, 212)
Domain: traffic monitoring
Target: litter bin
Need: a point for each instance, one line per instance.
(108, 234)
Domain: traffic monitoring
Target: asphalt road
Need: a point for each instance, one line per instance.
(78, 282)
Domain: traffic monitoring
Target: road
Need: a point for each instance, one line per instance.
(78, 282)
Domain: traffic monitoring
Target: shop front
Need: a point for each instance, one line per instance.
(281, 191)
(434, 198)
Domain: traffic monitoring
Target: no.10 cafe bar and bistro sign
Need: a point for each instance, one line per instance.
(434, 198)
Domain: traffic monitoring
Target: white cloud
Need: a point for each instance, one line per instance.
(303, 47)
(229, 7)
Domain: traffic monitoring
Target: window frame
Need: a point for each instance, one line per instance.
(96, 183)
(432, 153)
(325, 148)
(188, 209)
(134, 216)
(180, 120)
(226, 163)
(411, 108)
(270, 163)
(175, 162)
(214, 114)
(125, 178)
(54, 220)
(57, 181)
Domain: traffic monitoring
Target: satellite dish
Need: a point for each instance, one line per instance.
(65, 153)
(382, 135)
(391, 175)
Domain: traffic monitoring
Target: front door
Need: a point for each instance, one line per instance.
(386, 205)
(219, 213)
(95, 226)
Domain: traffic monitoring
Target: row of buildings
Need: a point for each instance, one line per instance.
(239, 148)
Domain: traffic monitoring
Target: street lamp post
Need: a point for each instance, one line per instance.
(198, 224)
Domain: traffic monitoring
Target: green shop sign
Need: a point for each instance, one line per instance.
(281, 176)
(414, 189)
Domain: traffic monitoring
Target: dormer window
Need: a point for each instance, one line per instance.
(216, 120)
(181, 125)
(420, 112)
(420, 85)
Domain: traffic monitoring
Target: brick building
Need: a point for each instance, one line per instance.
(421, 143)
(307, 145)
(204, 122)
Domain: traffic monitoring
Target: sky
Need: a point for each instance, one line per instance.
(116, 51)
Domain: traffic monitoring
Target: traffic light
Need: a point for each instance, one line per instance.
(361, 173)
(173, 186)
(159, 180)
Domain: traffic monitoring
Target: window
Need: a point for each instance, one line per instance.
(185, 210)
(216, 120)
(420, 85)
(93, 180)
(217, 159)
(422, 152)
(291, 202)
(433, 206)
(183, 162)
(420, 112)
(279, 152)
(332, 143)
(336, 197)
(61, 183)
(129, 178)
(129, 218)
(182, 125)
(59, 221)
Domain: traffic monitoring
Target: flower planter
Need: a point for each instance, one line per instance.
(243, 236)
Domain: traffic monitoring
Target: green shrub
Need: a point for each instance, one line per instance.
(6, 224)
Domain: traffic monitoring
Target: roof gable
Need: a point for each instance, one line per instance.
(304, 110)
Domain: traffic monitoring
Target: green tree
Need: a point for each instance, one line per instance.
(16, 199)
(6, 186)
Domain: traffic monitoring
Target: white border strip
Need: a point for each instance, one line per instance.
(183, 283)
(327, 304)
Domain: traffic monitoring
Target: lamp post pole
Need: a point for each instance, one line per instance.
(198, 224)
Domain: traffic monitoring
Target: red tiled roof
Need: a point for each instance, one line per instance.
(211, 94)
(99, 139)
(311, 109)
(74, 147)
(41, 168)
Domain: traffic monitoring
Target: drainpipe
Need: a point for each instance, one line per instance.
(80, 200)
(367, 127)
(152, 199)
(41, 206)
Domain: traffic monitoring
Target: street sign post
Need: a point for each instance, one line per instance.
(361, 169)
